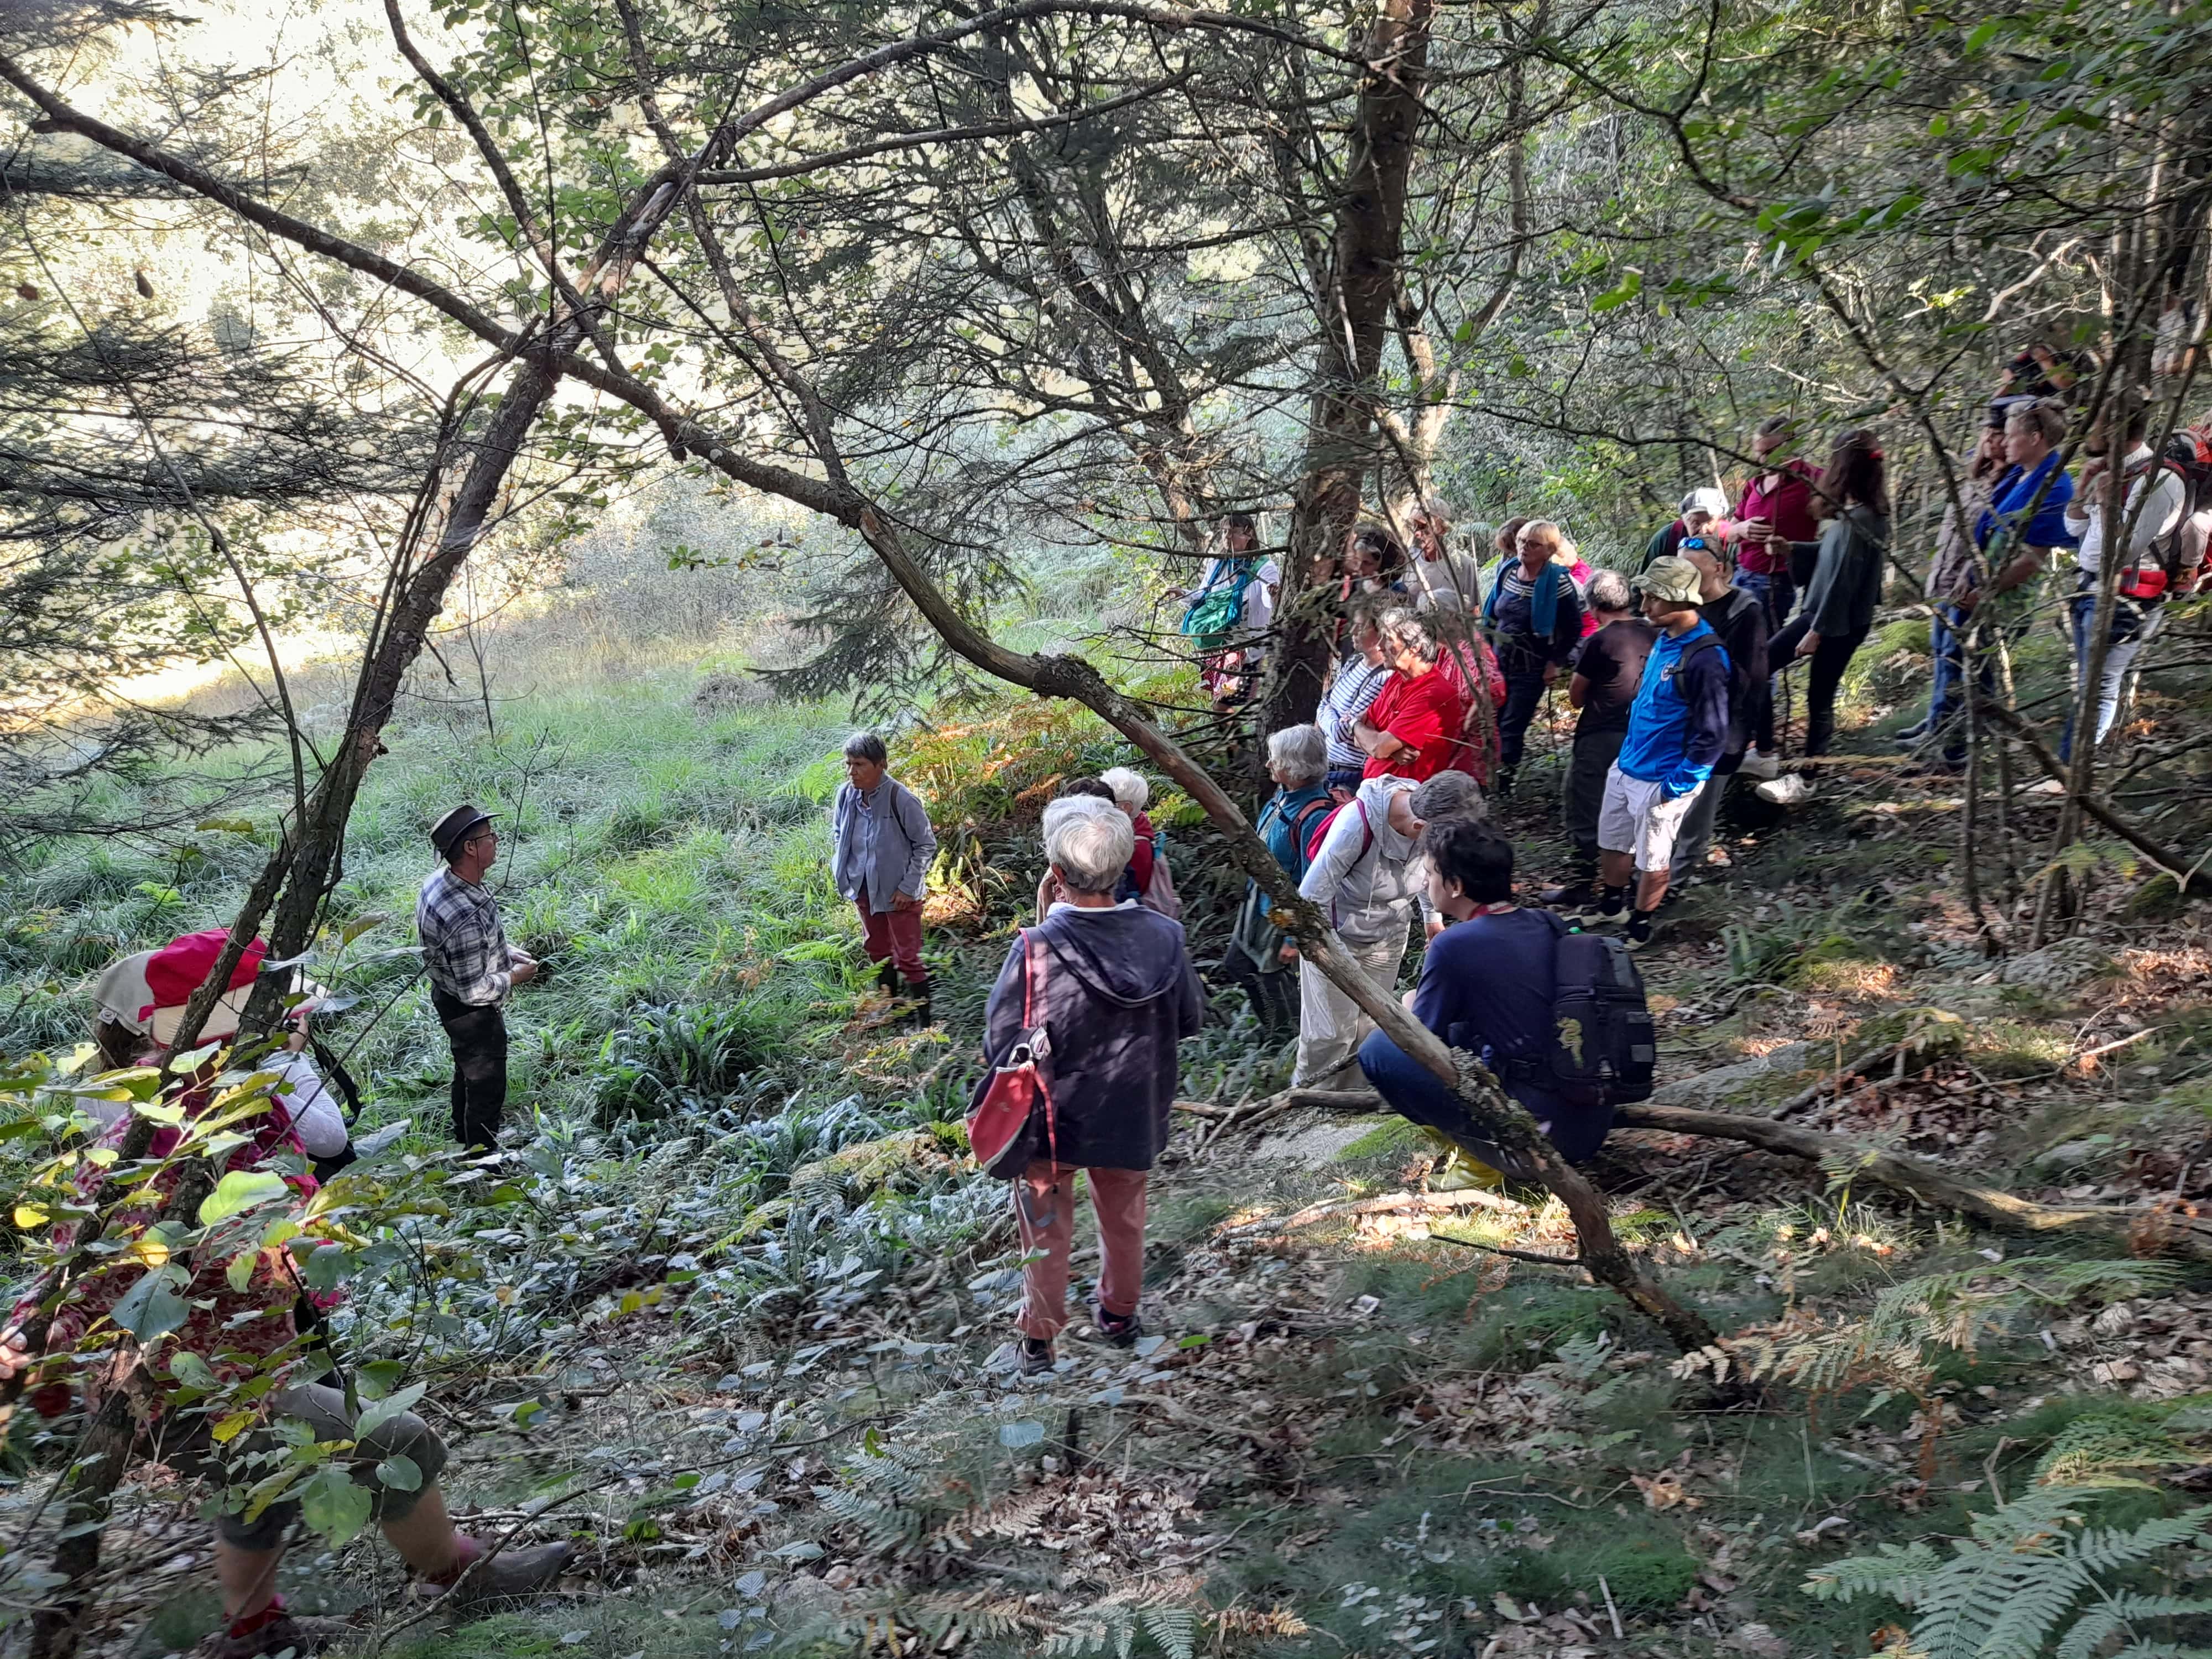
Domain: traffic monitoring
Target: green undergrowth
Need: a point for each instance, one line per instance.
(741, 1239)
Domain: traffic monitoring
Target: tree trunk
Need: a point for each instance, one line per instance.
(1357, 302)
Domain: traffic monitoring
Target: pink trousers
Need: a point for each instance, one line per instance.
(1045, 1207)
(894, 936)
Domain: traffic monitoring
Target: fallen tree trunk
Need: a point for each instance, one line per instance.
(2143, 1230)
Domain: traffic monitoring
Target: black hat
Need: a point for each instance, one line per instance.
(450, 831)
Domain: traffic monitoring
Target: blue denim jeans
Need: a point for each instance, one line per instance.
(1411, 1091)
(1947, 687)
(1772, 589)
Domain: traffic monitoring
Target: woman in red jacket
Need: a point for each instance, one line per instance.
(1414, 729)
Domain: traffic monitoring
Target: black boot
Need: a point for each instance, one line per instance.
(917, 996)
(1503, 787)
(1578, 889)
(887, 979)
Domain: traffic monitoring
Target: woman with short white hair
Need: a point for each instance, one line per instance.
(1132, 793)
(1258, 957)
(1112, 986)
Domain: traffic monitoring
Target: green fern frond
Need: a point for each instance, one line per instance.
(2096, 1446)
(2108, 1549)
(2012, 1609)
(2118, 1612)
(2068, 1279)
(1899, 1571)
(2091, 1630)
(1175, 1629)
(2162, 1650)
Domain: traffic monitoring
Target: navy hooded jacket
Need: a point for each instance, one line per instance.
(1119, 994)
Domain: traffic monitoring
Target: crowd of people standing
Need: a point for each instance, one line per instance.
(1445, 652)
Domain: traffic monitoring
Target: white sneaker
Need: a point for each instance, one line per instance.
(1791, 791)
(1756, 765)
(2048, 786)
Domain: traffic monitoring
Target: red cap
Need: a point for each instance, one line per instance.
(181, 967)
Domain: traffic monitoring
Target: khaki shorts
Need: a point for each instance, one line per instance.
(1636, 817)
(182, 1443)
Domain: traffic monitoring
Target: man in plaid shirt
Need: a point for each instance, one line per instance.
(472, 967)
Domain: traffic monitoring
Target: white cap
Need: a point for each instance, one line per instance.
(1706, 500)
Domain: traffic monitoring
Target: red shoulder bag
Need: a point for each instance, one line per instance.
(1013, 1111)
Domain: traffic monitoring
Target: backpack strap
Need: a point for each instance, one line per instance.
(2168, 548)
(1033, 971)
(1039, 1039)
(340, 1078)
(1304, 816)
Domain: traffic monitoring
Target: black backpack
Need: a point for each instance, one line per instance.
(1603, 1050)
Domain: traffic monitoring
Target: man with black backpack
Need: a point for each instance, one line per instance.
(1559, 1016)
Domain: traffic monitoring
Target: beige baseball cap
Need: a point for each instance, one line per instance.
(1672, 579)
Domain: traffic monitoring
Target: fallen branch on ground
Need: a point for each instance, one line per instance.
(1389, 1203)
(1535, 1257)
(1366, 1100)
(2145, 1231)
(1929, 1034)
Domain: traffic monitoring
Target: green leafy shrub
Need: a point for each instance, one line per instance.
(677, 1056)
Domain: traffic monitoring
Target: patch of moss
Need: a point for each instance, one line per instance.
(1645, 1575)
(2159, 899)
(1392, 1137)
(2004, 1047)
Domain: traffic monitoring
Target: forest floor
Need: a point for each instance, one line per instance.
(734, 1320)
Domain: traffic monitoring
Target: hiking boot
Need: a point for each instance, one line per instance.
(512, 1575)
(1037, 1358)
(1604, 908)
(1638, 934)
(887, 979)
(917, 997)
(1460, 1173)
(1122, 1330)
(1571, 895)
(1503, 787)
(287, 1633)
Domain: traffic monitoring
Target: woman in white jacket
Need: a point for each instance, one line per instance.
(1370, 878)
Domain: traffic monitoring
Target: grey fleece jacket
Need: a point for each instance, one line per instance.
(1367, 876)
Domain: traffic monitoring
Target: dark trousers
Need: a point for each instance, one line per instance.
(1524, 694)
(1777, 594)
(478, 1037)
(1594, 755)
(1410, 1090)
(1830, 659)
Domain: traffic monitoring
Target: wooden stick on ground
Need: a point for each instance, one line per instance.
(2145, 1230)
